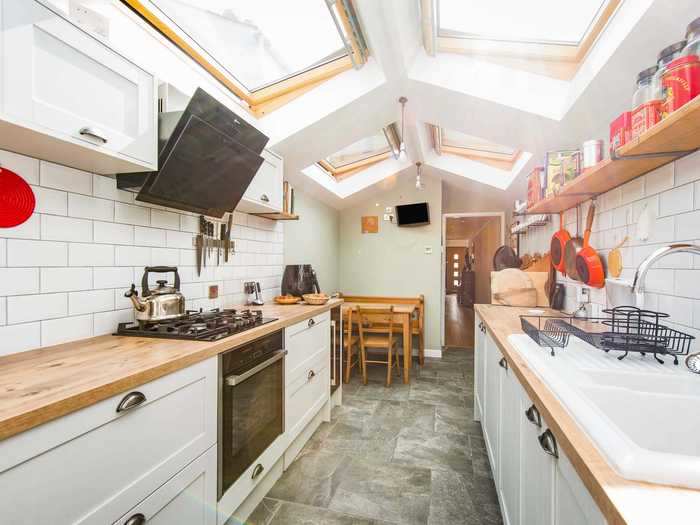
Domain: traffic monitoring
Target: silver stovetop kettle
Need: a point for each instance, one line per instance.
(163, 303)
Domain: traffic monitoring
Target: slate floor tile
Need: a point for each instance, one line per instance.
(432, 450)
(295, 514)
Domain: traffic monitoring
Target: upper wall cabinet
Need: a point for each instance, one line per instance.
(68, 98)
(264, 194)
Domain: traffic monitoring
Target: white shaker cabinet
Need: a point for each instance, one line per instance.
(264, 194)
(68, 98)
(535, 481)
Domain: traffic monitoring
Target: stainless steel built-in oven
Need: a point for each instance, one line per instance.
(251, 405)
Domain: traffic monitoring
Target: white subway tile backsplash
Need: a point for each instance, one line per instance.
(90, 301)
(688, 283)
(175, 239)
(112, 233)
(687, 169)
(677, 200)
(27, 308)
(132, 256)
(30, 229)
(688, 226)
(17, 281)
(661, 179)
(65, 279)
(113, 277)
(54, 228)
(25, 167)
(107, 322)
(633, 190)
(90, 207)
(66, 329)
(19, 337)
(165, 219)
(106, 188)
(130, 214)
(36, 253)
(148, 236)
(165, 256)
(65, 178)
(50, 201)
(88, 241)
(80, 254)
(679, 308)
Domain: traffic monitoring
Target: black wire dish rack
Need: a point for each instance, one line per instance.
(624, 329)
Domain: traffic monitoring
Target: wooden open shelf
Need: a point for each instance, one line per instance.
(281, 216)
(680, 132)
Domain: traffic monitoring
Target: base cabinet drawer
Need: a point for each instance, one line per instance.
(95, 464)
(189, 498)
(307, 393)
(303, 340)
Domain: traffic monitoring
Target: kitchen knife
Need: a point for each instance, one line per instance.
(199, 253)
(228, 236)
(203, 233)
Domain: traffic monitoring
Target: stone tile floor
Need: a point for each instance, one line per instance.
(407, 454)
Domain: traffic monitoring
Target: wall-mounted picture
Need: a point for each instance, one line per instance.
(370, 224)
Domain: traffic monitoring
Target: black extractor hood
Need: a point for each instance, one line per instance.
(207, 157)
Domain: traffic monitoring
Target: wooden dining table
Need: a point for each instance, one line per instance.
(403, 314)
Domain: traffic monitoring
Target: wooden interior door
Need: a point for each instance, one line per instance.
(484, 245)
(454, 261)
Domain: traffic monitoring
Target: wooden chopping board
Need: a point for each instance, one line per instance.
(513, 287)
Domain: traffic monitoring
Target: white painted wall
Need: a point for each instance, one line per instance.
(672, 194)
(63, 273)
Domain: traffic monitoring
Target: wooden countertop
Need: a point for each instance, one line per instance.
(620, 500)
(40, 385)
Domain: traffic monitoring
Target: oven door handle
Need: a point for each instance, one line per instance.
(237, 379)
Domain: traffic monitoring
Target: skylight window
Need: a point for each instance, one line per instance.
(550, 37)
(263, 49)
(357, 156)
(542, 21)
(475, 148)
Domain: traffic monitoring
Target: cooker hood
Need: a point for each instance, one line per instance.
(207, 158)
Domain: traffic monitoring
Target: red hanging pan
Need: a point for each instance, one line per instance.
(588, 263)
(557, 246)
(16, 199)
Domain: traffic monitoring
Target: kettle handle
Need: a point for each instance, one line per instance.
(158, 269)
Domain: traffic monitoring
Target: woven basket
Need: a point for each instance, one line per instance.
(287, 299)
(315, 298)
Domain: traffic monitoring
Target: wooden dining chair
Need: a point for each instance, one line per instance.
(350, 342)
(376, 329)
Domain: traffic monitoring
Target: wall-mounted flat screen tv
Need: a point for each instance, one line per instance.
(412, 214)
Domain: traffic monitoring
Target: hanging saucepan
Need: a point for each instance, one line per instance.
(588, 263)
(571, 250)
(559, 240)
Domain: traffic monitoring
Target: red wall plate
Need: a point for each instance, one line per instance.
(16, 199)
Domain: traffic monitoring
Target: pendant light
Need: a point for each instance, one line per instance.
(419, 182)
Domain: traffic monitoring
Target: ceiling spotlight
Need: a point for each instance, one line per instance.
(419, 182)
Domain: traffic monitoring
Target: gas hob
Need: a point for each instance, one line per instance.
(198, 326)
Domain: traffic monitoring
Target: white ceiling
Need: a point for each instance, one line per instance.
(523, 110)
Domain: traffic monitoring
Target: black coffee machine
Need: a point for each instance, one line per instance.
(299, 279)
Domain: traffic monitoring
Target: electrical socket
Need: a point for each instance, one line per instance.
(583, 294)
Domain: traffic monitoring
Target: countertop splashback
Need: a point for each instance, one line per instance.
(63, 273)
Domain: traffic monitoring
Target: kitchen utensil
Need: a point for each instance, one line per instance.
(558, 296)
(551, 283)
(287, 299)
(203, 234)
(17, 200)
(693, 363)
(592, 152)
(512, 287)
(526, 261)
(557, 245)
(505, 257)
(615, 259)
(571, 249)
(165, 302)
(227, 244)
(252, 288)
(541, 263)
(199, 248)
(588, 263)
(644, 224)
(315, 298)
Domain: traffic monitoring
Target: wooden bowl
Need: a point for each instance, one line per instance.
(315, 298)
(287, 299)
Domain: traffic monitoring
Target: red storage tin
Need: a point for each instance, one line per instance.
(681, 82)
(645, 116)
(621, 130)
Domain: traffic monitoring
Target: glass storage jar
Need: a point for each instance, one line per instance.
(692, 36)
(646, 103)
(666, 56)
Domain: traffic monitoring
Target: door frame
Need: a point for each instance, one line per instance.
(443, 251)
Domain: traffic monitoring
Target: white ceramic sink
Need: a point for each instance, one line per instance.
(642, 416)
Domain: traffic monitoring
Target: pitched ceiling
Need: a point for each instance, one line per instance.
(525, 111)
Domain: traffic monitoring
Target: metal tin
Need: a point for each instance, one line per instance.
(592, 152)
